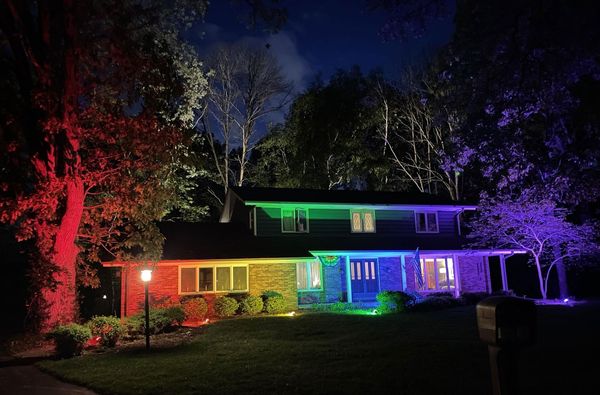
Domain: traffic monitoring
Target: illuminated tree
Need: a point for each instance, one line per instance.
(534, 225)
(94, 98)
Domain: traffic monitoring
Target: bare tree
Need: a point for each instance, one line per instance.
(421, 140)
(246, 85)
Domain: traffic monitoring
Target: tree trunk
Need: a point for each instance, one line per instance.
(561, 273)
(61, 302)
(540, 277)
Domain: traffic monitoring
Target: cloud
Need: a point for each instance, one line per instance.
(283, 47)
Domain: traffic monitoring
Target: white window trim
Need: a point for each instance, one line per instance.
(437, 285)
(426, 222)
(362, 220)
(308, 276)
(214, 271)
(295, 221)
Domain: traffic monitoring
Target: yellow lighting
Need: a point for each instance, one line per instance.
(291, 314)
(146, 275)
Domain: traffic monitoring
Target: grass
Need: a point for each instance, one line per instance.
(419, 353)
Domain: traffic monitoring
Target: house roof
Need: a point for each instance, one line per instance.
(220, 241)
(252, 194)
(188, 241)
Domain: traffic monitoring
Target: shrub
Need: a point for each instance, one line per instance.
(108, 328)
(251, 305)
(70, 339)
(161, 320)
(274, 302)
(433, 303)
(195, 309)
(394, 301)
(470, 298)
(226, 306)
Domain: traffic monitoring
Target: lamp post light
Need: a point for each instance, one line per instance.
(146, 277)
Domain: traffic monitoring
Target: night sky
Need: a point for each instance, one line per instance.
(320, 37)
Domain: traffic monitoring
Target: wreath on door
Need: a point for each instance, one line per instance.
(329, 260)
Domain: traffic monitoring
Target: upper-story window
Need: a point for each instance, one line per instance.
(362, 221)
(426, 222)
(294, 220)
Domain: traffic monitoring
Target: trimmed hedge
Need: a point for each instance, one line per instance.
(70, 339)
(108, 328)
(161, 320)
(274, 303)
(432, 303)
(251, 305)
(226, 306)
(195, 309)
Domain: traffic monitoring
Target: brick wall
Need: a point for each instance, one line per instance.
(410, 274)
(474, 274)
(332, 281)
(390, 274)
(162, 288)
(280, 277)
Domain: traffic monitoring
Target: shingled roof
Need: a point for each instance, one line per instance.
(253, 194)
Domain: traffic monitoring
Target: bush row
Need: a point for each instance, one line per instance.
(270, 302)
(71, 339)
(398, 301)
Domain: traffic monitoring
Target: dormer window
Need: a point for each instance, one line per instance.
(294, 220)
(362, 221)
(426, 222)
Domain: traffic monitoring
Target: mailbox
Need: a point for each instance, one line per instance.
(505, 321)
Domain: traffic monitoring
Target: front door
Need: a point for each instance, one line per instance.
(364, 276)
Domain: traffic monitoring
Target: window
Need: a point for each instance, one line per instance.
(294, 220)
(188, 279)
(426, 222)
(211, 279)
(438, 274)
(308, 275)
(363, 221)
(205, 279)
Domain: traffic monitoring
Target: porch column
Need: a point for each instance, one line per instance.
(457, 285)
(348, 281)
(503, 273)
(403, 267)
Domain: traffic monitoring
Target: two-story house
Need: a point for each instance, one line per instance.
(316, 246)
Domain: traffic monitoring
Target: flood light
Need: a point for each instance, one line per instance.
(146, 275)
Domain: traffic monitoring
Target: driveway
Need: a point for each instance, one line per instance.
(29, 380)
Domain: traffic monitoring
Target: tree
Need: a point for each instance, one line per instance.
(536, 226)
(246, 85)
(422, 139)
(94, 101)
(329, 139)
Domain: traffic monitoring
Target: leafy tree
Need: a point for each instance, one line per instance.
(94, 99)
(536, 226)
(329, 138)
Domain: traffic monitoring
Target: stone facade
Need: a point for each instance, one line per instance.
(280, 277)
(474, 274)
(390, 274)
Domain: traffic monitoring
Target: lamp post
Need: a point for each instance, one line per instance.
(146, 277)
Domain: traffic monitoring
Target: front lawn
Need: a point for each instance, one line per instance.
(418, 353)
